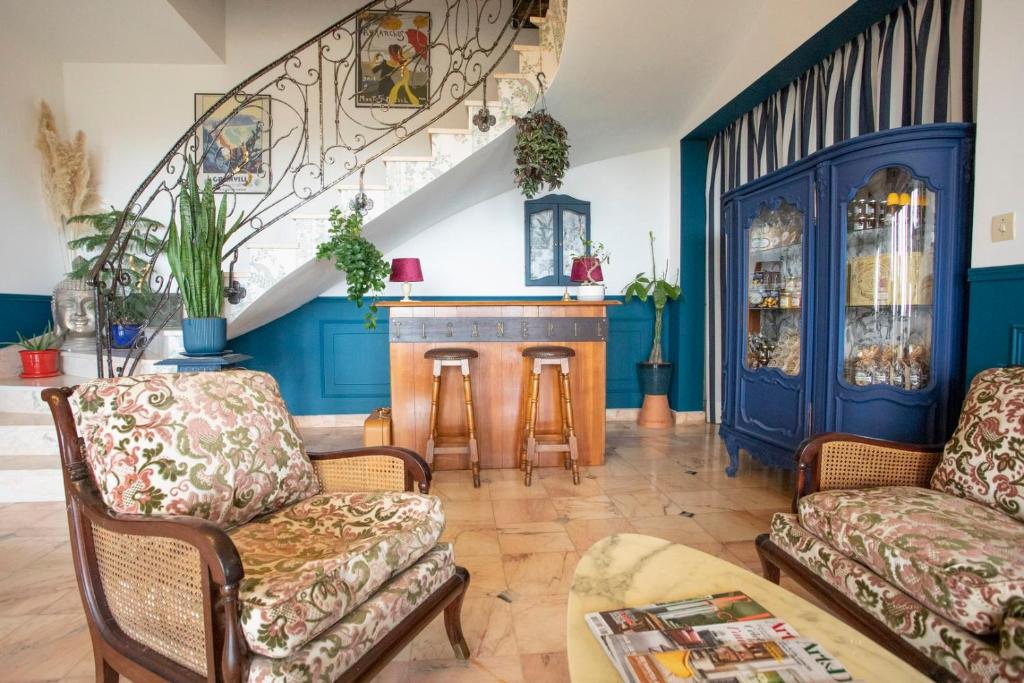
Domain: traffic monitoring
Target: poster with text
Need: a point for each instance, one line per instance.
(394, 60)
(234, 143)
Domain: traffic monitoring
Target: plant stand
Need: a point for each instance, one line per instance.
(655, 413)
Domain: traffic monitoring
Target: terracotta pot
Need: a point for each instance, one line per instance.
(39, 364)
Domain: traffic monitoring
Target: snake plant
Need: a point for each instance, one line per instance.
(195, 248)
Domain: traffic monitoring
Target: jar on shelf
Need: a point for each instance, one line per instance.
(917, 367)
(882, 371)
(864, 366)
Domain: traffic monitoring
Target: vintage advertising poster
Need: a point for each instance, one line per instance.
(234, 144)
(394, 60)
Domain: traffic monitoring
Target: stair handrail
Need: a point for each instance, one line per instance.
(460, 38)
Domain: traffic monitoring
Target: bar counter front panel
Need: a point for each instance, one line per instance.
(498, 332)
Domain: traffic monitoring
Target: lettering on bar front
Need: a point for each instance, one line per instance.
(503, 329)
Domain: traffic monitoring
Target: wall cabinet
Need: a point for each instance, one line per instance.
(556, 226)
(845, 294)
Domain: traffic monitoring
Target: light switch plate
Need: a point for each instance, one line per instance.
(1002, 227)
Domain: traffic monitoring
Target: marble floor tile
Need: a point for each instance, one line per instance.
(672, 528)
(514, 490)
(586, 532)
(539, 623)
(524, 510)
(539, 573)
(645, 504)
(529, 537)
(471, 540)
(726, 527)
(594, 507)
(545, 667)
(469, 511)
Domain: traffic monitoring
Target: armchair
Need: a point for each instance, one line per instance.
(209, 547)
(919, 546)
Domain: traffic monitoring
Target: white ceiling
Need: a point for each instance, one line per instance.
(120, 31)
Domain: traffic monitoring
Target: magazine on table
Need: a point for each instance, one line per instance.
(722, 637)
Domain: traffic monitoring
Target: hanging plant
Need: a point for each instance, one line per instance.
(363, 264)
(542, 152)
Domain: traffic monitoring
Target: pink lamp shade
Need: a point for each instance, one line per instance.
(406, 270)
(584, 265)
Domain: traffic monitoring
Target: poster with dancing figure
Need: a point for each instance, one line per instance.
(234, 143)
(394, 60)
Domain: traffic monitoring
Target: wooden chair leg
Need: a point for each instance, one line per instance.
(531, 423)
(104, 672)
(435, 393)
(474, 455)
(769, 570)
(453, 623)
(574, 449)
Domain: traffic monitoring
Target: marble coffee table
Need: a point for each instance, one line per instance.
(628, 570)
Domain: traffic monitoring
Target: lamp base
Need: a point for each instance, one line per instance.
(407, 291)
(565, 296)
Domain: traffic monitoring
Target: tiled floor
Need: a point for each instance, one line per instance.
(520, 545)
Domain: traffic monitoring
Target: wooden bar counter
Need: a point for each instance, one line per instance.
(498, 331)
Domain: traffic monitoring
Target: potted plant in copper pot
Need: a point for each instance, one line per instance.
(655, 372)
(40, 355)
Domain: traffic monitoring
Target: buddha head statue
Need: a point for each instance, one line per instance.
(74, 314)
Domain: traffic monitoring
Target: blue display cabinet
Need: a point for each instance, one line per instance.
(845, 294)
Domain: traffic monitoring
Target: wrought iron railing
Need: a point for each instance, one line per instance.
(310, 122)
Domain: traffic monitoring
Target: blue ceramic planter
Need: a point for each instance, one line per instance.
(655, 378)
(204, 335)
(123, 336)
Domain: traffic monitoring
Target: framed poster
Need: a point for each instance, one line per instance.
(234, 149)
(393, 70)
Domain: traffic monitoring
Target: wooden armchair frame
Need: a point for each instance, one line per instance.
(203, 564)
(835, 461)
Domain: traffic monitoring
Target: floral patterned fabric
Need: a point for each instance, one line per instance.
(984, 460)
(310, 564)
(216, 445)
(966, 656)
(959, 558)
(326, 657)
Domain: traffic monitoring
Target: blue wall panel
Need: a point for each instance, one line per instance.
(25, 313)
(995, 308)
(327, 363)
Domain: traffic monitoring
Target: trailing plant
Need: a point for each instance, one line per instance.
(47, 339)
(594, 254)
(362, 262)
(136, 264)
(661, 292)
(196, 247)
(542, 152)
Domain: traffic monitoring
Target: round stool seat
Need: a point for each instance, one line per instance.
(548, 352)
(450, 354)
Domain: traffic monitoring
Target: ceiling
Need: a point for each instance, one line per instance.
(121, 31)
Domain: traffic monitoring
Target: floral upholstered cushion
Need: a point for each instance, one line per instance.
(331, 653)
(310, 564)
(984, 460)
(961, 559)
(216, 445)
(966, 656)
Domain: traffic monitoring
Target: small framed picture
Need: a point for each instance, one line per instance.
(234, 143)
(393, 70)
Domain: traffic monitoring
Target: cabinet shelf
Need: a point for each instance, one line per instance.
(773, 308)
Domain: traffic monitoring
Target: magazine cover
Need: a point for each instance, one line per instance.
(711, 609)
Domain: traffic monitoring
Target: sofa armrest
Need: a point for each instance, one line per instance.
(845, 461)
(371, 468)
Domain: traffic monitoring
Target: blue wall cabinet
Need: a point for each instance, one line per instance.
(555, 227)
(845, 294)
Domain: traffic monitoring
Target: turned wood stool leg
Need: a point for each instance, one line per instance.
(531, 421)
(474, 456)
(574, 451)
(563, 402)
(435, 392)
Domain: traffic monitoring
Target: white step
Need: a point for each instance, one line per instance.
(24, 395)
(26, 434)
(30, 484)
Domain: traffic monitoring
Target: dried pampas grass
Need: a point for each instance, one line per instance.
(67, 180)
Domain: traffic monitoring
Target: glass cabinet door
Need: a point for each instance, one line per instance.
(541, 266)
(889, 261)
(574, 231)
(775, 285)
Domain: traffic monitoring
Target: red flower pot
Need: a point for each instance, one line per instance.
(39, 364)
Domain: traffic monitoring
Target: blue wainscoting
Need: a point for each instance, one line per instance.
(995, 318)
(327, 363)
(25, 313)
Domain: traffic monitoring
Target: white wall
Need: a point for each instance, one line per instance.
(480, 251)
(30, 257)
(999, 151)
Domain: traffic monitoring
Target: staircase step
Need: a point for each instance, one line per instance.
(29, 438)
(50, 461)
(25, 485)
(23, 395)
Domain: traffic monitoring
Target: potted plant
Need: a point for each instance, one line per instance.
(40, 355)
(586, 270)
(542, 152)
(131, 307)
(362, 262)
(655, 373)
(195, 248)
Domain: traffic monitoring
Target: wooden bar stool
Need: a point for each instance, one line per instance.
(453, 357)
(555, 356)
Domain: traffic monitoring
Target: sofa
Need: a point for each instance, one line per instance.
(920, 547)
(210, 546)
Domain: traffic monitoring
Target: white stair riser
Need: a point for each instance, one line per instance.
(26, 399)
(27, 440)
(26, 486)
(84, 365)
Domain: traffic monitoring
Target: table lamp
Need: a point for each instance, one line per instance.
(406, 271)
(586, 270)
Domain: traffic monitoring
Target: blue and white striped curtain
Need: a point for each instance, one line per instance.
(915, 66)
